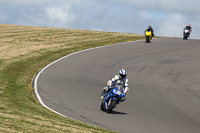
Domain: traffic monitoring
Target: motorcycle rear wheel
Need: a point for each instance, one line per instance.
(102, 108)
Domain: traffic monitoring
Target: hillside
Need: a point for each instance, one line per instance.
(24, 51)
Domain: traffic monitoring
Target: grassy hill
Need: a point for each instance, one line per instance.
(23, 52)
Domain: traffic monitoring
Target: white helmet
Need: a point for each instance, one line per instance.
(122, 73)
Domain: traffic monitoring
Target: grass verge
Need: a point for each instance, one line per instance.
(23, 52)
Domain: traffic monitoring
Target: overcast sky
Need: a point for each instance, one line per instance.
(167, 17)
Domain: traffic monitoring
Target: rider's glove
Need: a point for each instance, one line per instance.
(123, 99)
(105, 88)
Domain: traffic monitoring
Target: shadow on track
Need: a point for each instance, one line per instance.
(118, 113)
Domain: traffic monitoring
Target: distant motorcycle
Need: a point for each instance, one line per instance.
(112, 98)
(186, 33)
(148, 36)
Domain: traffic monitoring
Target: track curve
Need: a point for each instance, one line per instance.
(164, 86)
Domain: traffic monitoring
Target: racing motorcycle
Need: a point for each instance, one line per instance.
(148, 36)
(186, 33)
(112, 98)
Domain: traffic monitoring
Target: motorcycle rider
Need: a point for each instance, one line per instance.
(188, 28)
(117, 79)
(150, 29)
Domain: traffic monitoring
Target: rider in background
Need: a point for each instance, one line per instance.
(117, 79)
(150, 29)
(188, 28)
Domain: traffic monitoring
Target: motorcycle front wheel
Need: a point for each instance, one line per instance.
(147, 39)
(111, 106)
(185, 37)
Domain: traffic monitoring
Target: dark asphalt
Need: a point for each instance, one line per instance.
(164, 82)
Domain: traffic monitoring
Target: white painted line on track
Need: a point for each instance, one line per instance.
(35, 79)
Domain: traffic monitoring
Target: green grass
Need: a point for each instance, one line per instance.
(24, 51)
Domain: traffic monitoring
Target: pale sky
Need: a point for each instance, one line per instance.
(167, 17)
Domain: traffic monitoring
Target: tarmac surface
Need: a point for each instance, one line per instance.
(164, 82)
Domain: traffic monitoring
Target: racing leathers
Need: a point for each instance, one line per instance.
(115, 80)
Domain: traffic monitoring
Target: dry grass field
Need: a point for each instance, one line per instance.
(20, 40)
(24, 51)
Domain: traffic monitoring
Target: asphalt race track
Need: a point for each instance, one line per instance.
(164, 82)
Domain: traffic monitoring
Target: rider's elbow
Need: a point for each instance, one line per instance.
(126, 90)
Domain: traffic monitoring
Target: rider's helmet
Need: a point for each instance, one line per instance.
(122, 73)
(188, 24)
(149, 27)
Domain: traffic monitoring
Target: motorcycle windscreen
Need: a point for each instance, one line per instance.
(148, 33)
(120, 85)
(186, 31)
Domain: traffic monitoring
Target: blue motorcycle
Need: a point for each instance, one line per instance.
(112, 98)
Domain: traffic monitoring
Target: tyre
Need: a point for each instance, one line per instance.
(185, 37)
(101, 107)
(111, 106)
(147, 39)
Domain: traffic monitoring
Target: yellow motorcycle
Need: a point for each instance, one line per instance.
(148, 36)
